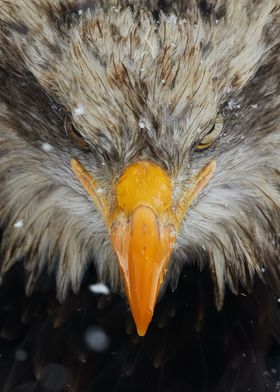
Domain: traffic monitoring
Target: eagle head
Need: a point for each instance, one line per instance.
(141, 139)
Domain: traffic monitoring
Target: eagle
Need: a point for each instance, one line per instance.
(139, 195)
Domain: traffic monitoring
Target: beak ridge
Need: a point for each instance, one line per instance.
(143, 246)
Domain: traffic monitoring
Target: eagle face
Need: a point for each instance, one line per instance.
(142, 141)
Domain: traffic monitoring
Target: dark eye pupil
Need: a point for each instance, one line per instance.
(211, 129)
(70, 127)
(74, 134)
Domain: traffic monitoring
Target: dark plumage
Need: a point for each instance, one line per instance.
(159, 118)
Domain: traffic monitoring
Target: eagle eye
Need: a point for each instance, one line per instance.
(212, 135)
(74, 134)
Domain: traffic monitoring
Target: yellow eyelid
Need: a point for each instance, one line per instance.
(203, 146)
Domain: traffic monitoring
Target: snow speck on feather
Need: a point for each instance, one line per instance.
(99, 288)
(233, 105)
(21, 355)
(97, 339)
(79, 110)
(19, 224)
(141, 124)
(47, 147)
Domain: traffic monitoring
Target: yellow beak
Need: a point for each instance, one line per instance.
(143, 225)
